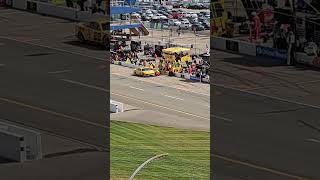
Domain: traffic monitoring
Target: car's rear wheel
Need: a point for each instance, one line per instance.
(81, 37)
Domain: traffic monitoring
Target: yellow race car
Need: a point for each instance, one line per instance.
(145, 71)
(95, 31)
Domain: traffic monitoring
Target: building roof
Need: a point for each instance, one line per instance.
(123, 10)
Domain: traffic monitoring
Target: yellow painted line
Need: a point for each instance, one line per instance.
(51, 112)
(260, 167)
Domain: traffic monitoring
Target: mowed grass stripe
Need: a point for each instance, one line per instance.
(132, 144)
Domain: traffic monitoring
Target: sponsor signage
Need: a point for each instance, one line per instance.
(194, 78)
(272, 52)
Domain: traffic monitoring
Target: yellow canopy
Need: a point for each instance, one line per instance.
(175, 50)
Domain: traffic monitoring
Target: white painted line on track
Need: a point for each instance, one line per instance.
(153, 82)
(153, 104)
(270, 97)
(51, 112)
(85, 85)
(58, 72)
(9, 13)
(136, 88)
(160, 106)
(173, 97)
(57, 49)
(222, 118)
(313, 140)
(30, 40)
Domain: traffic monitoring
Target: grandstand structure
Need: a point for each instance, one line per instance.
(121, 19)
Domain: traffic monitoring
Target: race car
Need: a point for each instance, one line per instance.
(145, 71)
(94, 31)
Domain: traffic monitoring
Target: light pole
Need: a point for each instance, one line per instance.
(195, 42)
(294, 36)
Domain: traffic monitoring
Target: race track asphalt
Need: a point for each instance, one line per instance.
(39, 90)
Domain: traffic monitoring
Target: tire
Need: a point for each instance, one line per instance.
(81, 38)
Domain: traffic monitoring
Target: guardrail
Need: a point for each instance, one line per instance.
(19, 143)
(276, 56)
(53, 10)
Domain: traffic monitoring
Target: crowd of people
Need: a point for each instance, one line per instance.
(95, 6)
(148, 57)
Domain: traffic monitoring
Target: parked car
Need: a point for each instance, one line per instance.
(202, 19)
(185, 20)
(165, 25)
(197, 27)
(155, 17)
(162, 17)
(185, 25)
(177, 15)
(206, 25)
(178, 5)
(191, 15)
(174, 22)
(194, 20)
(195, 6)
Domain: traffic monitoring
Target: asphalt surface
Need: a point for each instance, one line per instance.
(158, 96)
(39, 78)
(45, 89)
(274, 112)
(267, 125)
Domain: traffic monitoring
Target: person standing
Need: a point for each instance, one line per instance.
(81, 4)
(256, 25)
(291, 46)
(99, 3)
(69, 3)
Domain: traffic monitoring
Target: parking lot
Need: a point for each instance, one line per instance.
(163, 17)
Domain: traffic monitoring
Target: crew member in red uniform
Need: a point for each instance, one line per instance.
(256, 25)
